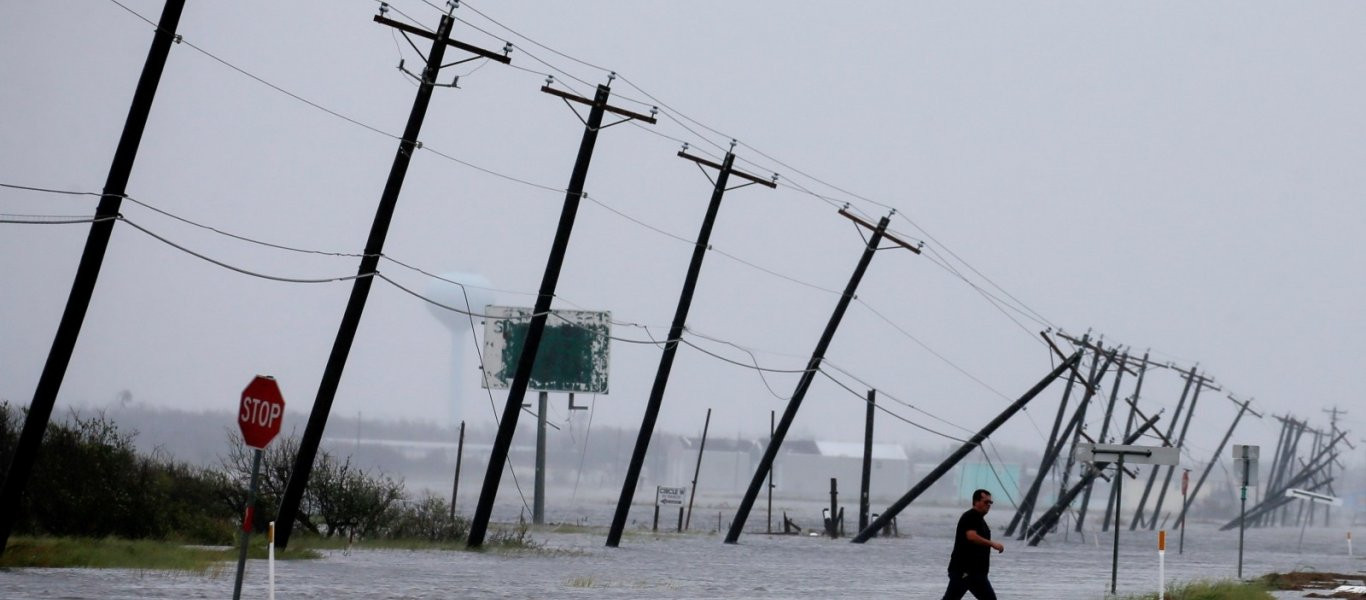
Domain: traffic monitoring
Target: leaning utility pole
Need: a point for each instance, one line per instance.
(1128, 426)
(522, 376)
(666, 360)
(1104, 429)
(812, 366)
(369, 264)
(1085, 404)
(88, 270)
(1334, 412)
(1243, 407)
(1171, 429)
(1038, 530)
(1201, 383)
(973, 443)
(867, 460)
(1026, 506)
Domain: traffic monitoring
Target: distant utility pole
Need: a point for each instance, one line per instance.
(666, 360)
(867, 460)
(1104, 429)
(973, 443)
(1201, 382)
(1128, 426)
(1243, 407)
(369, 264)
(1333, 412)
(521, 378)
(812, 366)
(1171, 430)
(1026, 505)
(88, 270)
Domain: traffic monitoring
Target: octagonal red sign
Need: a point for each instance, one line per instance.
(261, 411)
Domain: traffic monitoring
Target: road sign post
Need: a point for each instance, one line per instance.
(259, 416)
(1099, 454)
(1244, 456)
(1185, 485)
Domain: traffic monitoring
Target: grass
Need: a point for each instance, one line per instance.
(1301, 580)
(115, 553)
(1212, 590)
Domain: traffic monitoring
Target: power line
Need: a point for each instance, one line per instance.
(884, 409)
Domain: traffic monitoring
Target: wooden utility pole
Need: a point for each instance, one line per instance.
(1128, 426)
(522, 376)
(1026, 507)
(666, 359)
(369, 264)
(87, 272)
(1171, 429)
(867, 460)
(1104, 429)
(697, 471)
(813, 365)
(1201, 383)
(888, 515)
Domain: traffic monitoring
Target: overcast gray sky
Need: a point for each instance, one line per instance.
(1178, 176)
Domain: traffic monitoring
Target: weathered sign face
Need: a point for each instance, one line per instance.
(572, 357)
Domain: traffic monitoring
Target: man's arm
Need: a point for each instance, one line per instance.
(981, 541)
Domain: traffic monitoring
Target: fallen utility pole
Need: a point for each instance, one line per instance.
(369, 266)
(1085, 405)
(87, 272)
(1073, 426)
(973, 443)
(1128, 426)
(1171, 429)
(1202, 382)
(1275, 497)
(1190, 499)
(666, 359)
(812, 366)
(1026, 506)
(1038, 530)
(522, 376)
(1104, 428)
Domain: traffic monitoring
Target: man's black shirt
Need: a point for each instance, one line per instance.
(969, 557)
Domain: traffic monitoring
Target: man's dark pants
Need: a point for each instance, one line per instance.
(962, 583)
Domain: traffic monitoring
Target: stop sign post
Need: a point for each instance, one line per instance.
(259, 415)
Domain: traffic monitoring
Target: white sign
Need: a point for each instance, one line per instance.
(1313, 497)
(1145, 455)
(1245, 464)
(573, 354)
(670, 495)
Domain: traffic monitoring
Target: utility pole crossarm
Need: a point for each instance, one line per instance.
(1245, 404)
(1058, 351)
(406, 28)
(741, 174)
(870, 227)
(611, 109)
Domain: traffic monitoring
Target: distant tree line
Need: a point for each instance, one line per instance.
(90, 481)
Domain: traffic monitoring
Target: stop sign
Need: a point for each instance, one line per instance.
(261, 411)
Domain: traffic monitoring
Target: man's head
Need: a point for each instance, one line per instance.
(981, 501)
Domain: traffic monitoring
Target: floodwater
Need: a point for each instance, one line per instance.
(698, 565)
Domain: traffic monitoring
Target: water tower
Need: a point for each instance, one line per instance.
(469, 292)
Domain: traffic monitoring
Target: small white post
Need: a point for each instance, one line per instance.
(1161, 564)
(1349, 543)
(270, 558)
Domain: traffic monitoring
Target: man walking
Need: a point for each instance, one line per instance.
(972, 548)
